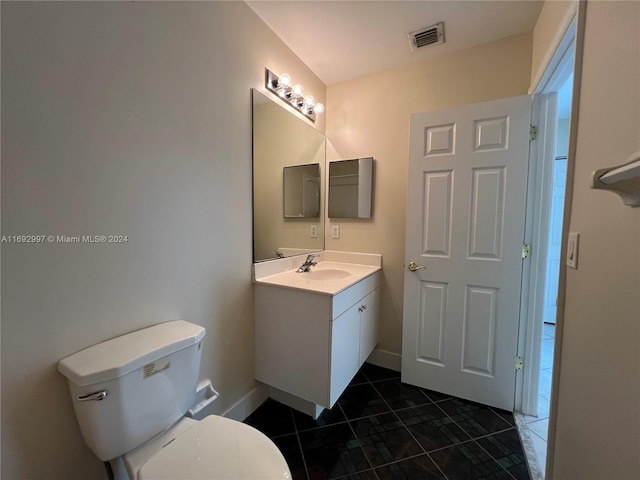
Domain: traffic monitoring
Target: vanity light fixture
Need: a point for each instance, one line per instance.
(292, 94)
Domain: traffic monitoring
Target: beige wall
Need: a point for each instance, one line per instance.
(552, 22)
(598, 410)
(370, 117)
(134, 119)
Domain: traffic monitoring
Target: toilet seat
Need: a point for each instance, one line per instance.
(217, 448)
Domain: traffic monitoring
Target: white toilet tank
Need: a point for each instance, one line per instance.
(130, 388)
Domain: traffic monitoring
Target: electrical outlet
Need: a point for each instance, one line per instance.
(313, 233)
(572, 250)
(335, 231)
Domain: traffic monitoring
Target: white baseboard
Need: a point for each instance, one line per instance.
(383, 358)
(247, 404)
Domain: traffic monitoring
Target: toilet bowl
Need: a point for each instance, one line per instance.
(130, 395)
(213, 448)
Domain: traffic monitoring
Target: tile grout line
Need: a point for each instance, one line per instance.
(407, 398)
(491, 456)
(358, 440)
(473, 439)
(295, 426)
(412, 435)
(420, 445)
(437, 466)
(424, 452)
(444, 475)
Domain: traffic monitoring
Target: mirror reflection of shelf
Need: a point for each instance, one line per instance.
(350, 185)
(301, 191)
(351, 177)
(623, 180)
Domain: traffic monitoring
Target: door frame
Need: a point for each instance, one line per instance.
(542, 156)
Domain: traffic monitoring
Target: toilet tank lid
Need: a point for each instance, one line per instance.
(121, 355)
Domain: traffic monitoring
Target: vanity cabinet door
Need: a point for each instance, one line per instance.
(345, 338)
(368, 309)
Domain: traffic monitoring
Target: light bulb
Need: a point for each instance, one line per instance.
(284, 80)
(309, 101)
(296, 90)
(318, 108)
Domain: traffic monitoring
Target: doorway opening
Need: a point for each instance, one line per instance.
(554, 96)
(538, 425)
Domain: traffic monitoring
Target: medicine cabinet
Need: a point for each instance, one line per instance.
(301, 185)
(350, 186)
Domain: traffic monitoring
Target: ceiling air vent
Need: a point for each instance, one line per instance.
(427, 36)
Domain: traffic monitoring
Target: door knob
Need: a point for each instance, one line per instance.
(413, 266)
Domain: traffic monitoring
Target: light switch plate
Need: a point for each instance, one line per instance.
(335, 231)
(572, 249)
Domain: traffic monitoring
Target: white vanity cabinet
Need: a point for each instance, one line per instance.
(309, 344)
(368, 324)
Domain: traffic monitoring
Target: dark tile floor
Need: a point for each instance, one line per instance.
(383, 429)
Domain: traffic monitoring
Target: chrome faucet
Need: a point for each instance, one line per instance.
(308, 263)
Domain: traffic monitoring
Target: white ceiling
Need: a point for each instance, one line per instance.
(342, 40)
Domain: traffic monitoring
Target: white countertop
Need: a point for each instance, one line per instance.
(332, 274)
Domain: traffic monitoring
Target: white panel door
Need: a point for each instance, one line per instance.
(465, 225)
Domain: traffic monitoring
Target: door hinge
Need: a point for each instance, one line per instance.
(526, 250)
(519, 363)
(533, 133)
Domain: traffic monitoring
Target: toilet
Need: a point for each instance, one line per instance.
(133, 397)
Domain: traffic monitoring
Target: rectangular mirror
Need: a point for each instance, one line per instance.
(283, 145)
(301, 191)
(350, 185)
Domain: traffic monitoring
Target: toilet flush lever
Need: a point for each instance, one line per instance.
(101, 395)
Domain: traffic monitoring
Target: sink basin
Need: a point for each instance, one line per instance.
(326, 278)
(326, 274)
